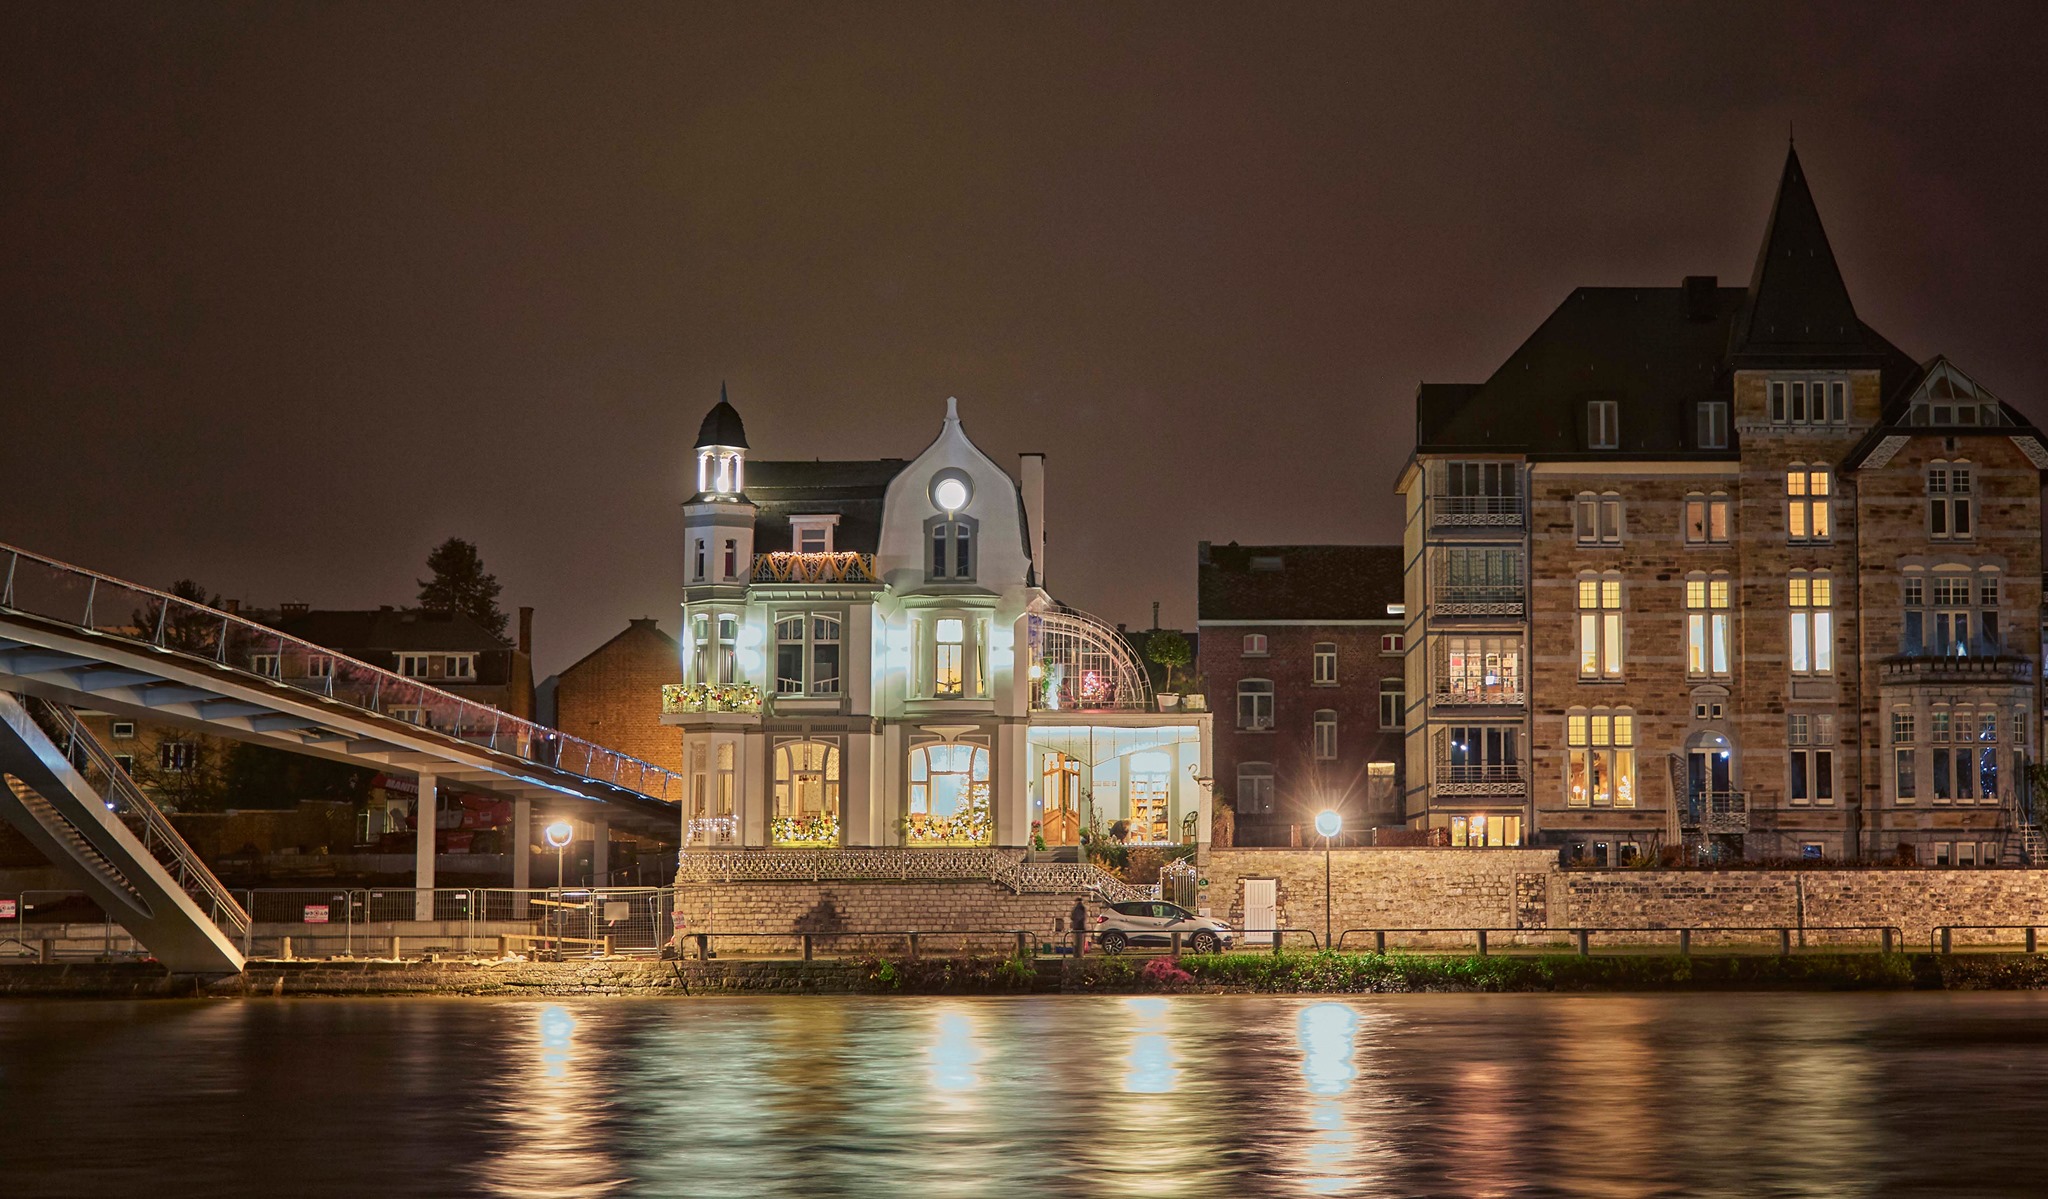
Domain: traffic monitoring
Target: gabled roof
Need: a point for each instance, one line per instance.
(722, 425)
(645, 629)
(852, 491)
(1298, 582)
(390, 630)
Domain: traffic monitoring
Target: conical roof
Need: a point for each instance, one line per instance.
(722, 425)
(1797, 306)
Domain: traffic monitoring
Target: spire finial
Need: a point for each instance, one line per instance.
(952, 410)
(721, 391)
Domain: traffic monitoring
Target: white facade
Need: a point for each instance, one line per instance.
(897, 677)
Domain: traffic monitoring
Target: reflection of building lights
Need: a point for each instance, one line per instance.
(955, 1054)
(1326, 1032)
(1150, 1067)
(557, 1029)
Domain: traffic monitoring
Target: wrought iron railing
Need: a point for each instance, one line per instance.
(838, 567)
(1459, 693)
(1717, 811)
(1481, 778)
(683, 698)
(110, 607)
(1500, 511)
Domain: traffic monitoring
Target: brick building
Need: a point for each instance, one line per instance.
(1301, 656)
(611, 694)
(1723, 567)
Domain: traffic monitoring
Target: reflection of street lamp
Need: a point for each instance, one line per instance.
(1329, 824)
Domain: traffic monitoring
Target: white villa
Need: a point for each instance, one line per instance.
(871, 659)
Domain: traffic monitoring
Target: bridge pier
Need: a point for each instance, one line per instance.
(601, 852)
(425, 811)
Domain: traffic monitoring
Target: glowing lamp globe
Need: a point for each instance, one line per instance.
(559, 832)
(1328, 823)
(950, 494)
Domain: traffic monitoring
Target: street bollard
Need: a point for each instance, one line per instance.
(1080, 941)
(1583, 948)
(49, 952)
(285, 951)
(1022, 950)
(2030, 940)
(1887, 941)
(1276, 942)
(913, 947)
(807, 947)
(1784, 942)
(1685, 942)
(1947, 939)
(504, 946)
(1482, 942)
(397, 950)
(1379, 942)
(703, 947)
(1176, 947)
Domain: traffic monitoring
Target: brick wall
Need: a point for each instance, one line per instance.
(613, 696)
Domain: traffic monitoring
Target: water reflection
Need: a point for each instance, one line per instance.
(1185, 1096)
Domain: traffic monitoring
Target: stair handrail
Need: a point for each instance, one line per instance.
(191, 869)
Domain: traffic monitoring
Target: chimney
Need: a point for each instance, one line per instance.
(1031, 477)
(526, 631)
(1699, 297)
(233, 607)
(1155, 614)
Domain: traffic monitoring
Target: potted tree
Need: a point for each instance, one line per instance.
(1167, 648)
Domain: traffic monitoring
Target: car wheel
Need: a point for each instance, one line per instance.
(1205, 942)
(1113, 942)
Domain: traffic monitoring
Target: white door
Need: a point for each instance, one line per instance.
(1260, 910)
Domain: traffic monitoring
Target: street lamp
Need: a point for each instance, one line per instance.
(1328, 824)
(558, 835)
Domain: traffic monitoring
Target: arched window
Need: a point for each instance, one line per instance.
(1255, 704)
(949, 795)
(806, 793)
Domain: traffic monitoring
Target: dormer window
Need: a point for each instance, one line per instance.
(812, 534)
(1809, 401)
(1603, 425)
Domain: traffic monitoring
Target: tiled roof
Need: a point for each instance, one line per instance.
(852, 490)
(1298, 582)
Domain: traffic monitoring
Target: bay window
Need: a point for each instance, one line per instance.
(949, 795)
(949, 657)
(806, 808)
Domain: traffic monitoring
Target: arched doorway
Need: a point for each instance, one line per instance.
(1060, 789)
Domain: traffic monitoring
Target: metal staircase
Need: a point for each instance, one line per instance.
(117, 845)
(2026, 846)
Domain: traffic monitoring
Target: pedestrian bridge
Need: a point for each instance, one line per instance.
(73, 638)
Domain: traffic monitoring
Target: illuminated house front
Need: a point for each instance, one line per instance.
(870, 660)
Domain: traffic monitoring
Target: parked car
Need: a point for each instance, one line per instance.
(1153, 922)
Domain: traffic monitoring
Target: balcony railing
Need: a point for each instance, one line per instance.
(1480, 599)
(684, 698)
(1480, 695)
(1717, 812)
(1481, 778)
(1491, 511)
(836, 568)
(1987, 667)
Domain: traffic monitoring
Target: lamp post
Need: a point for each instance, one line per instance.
(1329, 824)
(558, 835)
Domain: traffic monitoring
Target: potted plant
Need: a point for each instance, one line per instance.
(1167, 648)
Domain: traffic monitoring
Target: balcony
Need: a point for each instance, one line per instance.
(1477, 694)
(1709, 812)
(837, 569)
(1476, 511)
(1985, 666)
(683, 699)
(1490, 600)
(1505, 779)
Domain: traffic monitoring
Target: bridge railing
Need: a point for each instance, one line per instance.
(111, 607)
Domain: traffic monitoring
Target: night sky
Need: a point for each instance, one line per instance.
(292, 292)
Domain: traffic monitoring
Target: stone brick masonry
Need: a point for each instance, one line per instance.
(833, 907)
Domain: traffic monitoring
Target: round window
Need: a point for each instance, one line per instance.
(951, 490)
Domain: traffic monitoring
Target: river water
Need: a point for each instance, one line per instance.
(1457, 1095)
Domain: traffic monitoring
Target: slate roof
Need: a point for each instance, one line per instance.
(722, 425)
(852, 490)
(361, 632)
(1297, 582)
(1659, 351)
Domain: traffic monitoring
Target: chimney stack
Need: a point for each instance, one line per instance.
(1031, 478)
(526, 631)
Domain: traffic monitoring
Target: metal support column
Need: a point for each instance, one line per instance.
(424, 811)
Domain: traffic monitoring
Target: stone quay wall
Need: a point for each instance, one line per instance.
(1505, 889)
(769, 910)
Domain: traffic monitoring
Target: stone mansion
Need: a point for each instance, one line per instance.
(1724, 567)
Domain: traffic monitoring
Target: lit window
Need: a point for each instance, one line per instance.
(1807, 494)
(1482, 670)
(949, 795)
(949, 658)
(1812, 623)
(806, 794)
(1599, 627)
(1326, 735)
(1326, 664)
(1707, 618)
(1254, 704)
(1600, 770)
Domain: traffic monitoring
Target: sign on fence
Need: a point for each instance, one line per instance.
(9, 909)
(316, 913)
(615, 912)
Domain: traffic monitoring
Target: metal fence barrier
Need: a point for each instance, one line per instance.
(1944, 938)
(71, 928)
(1778, 938)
